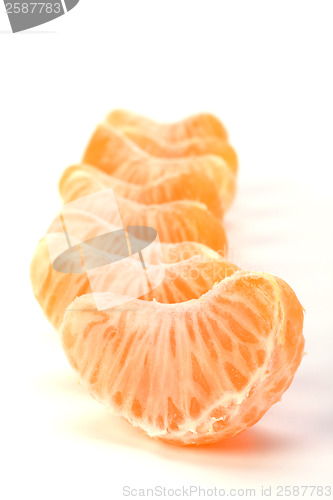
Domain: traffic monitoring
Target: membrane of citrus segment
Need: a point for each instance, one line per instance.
(192, 372)
(200, 125)
(81, 180)
(193, 146)
(116, 155)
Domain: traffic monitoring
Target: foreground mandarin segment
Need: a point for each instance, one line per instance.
(193, 372)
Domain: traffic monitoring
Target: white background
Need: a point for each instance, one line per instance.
(265, 68)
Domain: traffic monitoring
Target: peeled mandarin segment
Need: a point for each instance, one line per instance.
(194, 146)
(108, 148)
(191, 269)
(176, 221)
(54, 290)
(200, 125)
(80, 180)
(116, 155)
(193, 372)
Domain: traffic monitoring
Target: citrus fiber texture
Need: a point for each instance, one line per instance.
(193, 372)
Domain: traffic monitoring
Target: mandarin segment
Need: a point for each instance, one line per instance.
(81, 180)
(193, 146)
(200, 125)
(116, 155)
(198, 391)
(175, 221)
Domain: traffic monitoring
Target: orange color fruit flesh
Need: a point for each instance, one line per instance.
(199, 125)
(192, 372)
(197, 135)
(113, 153)
(80, 180)
(193, 146)
(174, 222)
(191, 269)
